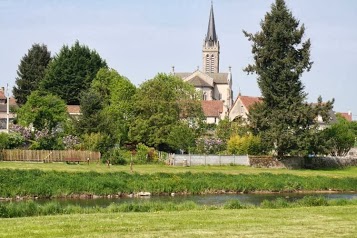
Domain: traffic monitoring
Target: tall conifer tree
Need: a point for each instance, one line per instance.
(284, 120)
(71, 72)
(31, 71)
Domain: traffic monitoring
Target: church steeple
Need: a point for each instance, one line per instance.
(210, 49)
(211, 37)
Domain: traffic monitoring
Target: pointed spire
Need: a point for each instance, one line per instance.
(211, 37)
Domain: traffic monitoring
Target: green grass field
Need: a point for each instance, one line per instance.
(296, 222)
(142, 169)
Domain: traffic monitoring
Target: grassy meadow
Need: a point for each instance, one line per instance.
(159, 168)
(292, 222)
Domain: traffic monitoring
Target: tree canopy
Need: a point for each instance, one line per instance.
(43, 111)
(31, 71)
(159, 106)
(283, 120)
(71, 72)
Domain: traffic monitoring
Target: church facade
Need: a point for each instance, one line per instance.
(215, 86)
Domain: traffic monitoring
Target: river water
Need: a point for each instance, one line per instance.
(216, 199)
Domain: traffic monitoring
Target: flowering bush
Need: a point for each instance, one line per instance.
(209, 145)
(70, 141)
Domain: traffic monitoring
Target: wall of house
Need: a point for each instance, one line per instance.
(212, 120)
(238, 110)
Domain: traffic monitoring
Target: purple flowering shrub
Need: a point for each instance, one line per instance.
(70, 141)
(209, 145)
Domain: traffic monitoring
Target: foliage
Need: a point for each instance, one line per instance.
(42, 111)
(207, 145)
(283, 120)
(11, 140)
(117, 156)
(159, 105)
(340, 137)
(71, 72)
(58, 184)
(70, 142)
(226, 129)
(97, 142)
(31, 71)
(91, 105)
(145, 154)
(181, 137)
(243, 145)
(116, 93)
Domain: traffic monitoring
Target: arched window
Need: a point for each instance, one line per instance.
(204, 96)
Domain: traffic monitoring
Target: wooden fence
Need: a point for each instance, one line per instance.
(48, 155)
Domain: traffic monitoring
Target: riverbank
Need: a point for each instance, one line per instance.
(31, 208)
(332, 221)
(50, 184)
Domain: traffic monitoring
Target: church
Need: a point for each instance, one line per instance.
(216, 87)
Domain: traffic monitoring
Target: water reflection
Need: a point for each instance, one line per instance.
(219, 199)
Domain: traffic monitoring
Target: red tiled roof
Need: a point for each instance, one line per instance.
(73, 109)
(12, 101)
(248, 101)
(212, 108)
(346, 115)
(2, 95)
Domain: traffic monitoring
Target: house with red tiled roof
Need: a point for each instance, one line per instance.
(346, 115)
(241, 107)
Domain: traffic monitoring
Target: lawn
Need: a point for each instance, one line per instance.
(144, 169)
(293, 222)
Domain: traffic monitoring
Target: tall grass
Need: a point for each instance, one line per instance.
(57, 184)
(31, 208)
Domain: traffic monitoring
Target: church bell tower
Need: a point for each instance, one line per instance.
(210, 50)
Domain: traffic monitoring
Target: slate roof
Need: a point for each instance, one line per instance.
(212, 108)
(218, 78)
(211, 36)
(199, 82)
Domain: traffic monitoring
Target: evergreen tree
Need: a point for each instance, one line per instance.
(71, 72)
(31, 71)
(284, 120)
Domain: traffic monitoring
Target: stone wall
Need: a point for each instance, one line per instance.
(299, 162)
(272, 162)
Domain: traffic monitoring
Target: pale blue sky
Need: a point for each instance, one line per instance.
(140, 38)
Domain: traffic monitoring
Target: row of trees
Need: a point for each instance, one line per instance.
(165, 112)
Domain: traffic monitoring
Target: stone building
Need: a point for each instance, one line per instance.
(216, 87)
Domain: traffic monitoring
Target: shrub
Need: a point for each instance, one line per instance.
(242, 145)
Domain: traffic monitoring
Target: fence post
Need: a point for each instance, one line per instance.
(190, 159)
(205, 160)
(234, 160)
(220, 162)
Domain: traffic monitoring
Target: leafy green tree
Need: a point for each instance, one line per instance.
(91, 106)
(71, 72)
(181, 137)
(117, 93)
(283, 120)
(159, 105)
(107, 106)
(340, 137)
(42, 111)
(31, 71)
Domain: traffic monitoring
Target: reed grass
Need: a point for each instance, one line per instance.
(31, 208)
(38, 183)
